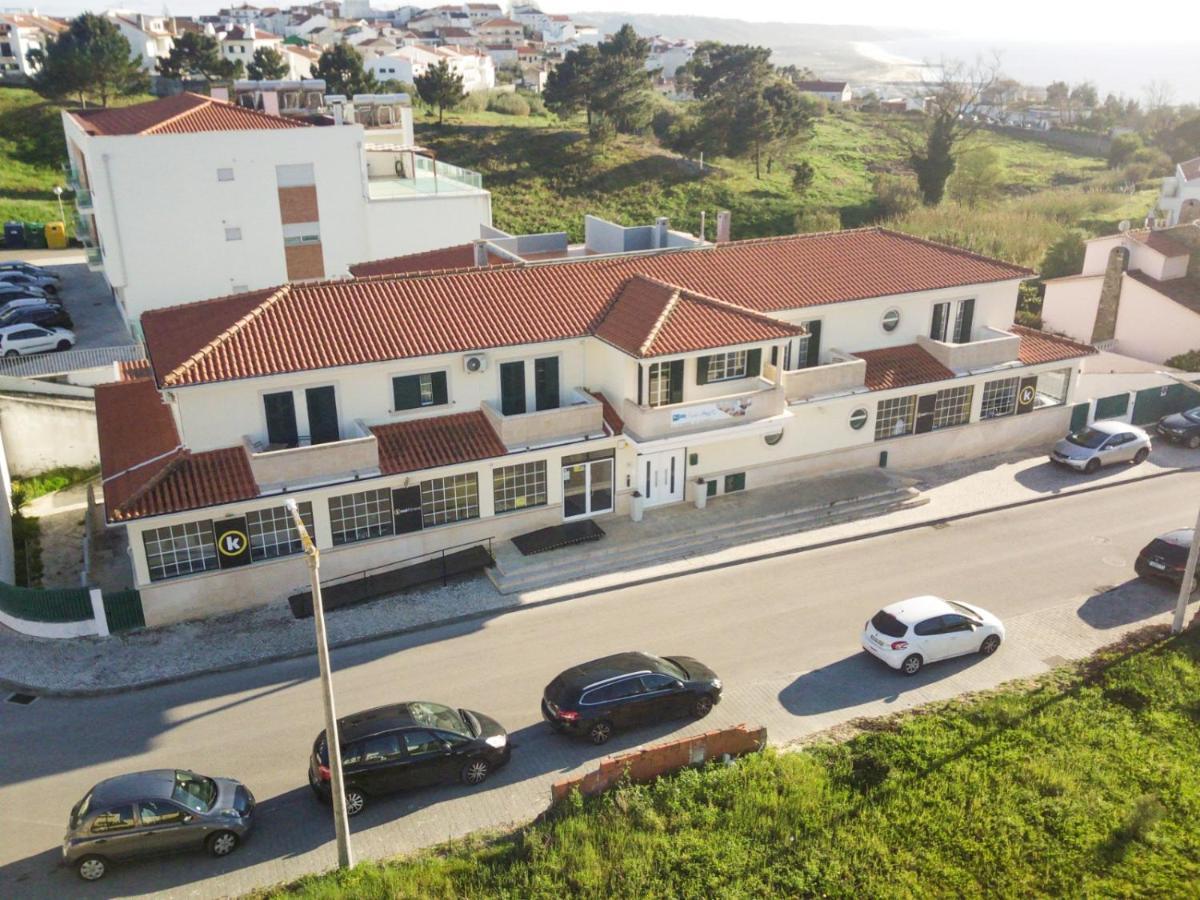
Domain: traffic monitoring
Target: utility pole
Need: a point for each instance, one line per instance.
(341, 822)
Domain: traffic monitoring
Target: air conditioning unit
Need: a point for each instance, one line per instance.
(475, 363)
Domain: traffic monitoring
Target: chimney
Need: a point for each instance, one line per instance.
(723, 226)
(661, 224)
(481, 253)
(250, 31)
(219, 93)
(270, 100)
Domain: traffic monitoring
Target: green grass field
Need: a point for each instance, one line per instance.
(31, 153)
(1081, 784)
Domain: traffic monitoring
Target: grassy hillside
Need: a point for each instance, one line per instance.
(545, 175)
(31, 153)
(1082, 784)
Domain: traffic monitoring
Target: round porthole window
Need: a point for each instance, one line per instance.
(773, 439)
(891, 319)
(858, 418)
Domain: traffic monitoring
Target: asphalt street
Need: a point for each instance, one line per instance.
(782, 633)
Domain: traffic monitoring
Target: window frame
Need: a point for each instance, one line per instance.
(440, 499)
(507, 495)
(196, 535)
(362, 505)
(421, 377)
(949, 408)
(886, 419)
(994, 389)
(729, 366)
(265, 550)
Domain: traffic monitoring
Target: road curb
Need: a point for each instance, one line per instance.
(8, 685)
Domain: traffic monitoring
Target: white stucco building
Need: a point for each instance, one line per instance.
(1179, 197)
(190, 197)
(829, 91)
(21, 32)
(151, 38)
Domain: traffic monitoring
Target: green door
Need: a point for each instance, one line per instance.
(1079, 416)
(1112, 407)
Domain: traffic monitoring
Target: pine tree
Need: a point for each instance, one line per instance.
(268, 64)
(198, 56)
(91, 58)
(440, 86)
(342, 69)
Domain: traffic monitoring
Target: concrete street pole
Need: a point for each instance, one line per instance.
(1189, 576)
(341, 822)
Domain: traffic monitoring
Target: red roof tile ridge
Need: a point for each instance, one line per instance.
(745, 311)
(1026, 331)
(204, 101)
(175, 375)
(212, 101)
(181, 455)
(668, 307)
(960, 251)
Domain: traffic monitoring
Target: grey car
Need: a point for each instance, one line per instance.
(1101, 444)
(149, 813)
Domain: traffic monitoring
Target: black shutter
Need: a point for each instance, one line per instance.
(939, 314)
(440, 395)
(406, 392)
(676, 390)
(545, 382)
(406, 509)
(512, 388)
(754, 363)
(702, 370)
(925, 407)
(640, 386)
(775, 356)
(281, 419)
(964, 326)
(814, 344)
(322, 415)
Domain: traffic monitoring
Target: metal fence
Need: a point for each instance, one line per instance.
(37, 605)
(123, 610)
(42, 365)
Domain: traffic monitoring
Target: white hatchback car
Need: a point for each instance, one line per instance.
(25, 339)
(908, 634)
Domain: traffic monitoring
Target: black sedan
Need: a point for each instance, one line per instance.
(408, 745)
(1165, 557)
(628, 689)
(1181, 428)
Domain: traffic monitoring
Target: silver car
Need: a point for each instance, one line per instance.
(1100, 444)
(148, 813)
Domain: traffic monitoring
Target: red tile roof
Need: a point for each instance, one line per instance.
(153, 474)
(439, 441)
(1039, 347)
(460, 256)
(185, 113)
(129, 370)
(1191, 169)
(1164, 244)
(652, 318)
(903, 366)
(325, 324)
(614, 422)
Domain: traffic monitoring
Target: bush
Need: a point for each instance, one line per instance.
(1122, 149)
(802, 176)
(1064, 256)
(896, 195)
(537, 106)
(474, 102)
(1189, 362)
(810, 220)
(508, 104)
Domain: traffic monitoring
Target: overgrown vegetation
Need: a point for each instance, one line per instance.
(56, 479)
(1082, 784)
(27, 543)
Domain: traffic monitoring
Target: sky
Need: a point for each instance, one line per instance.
(1051, 20)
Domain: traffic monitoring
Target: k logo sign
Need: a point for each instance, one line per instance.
(1026, 395)
(233, 546)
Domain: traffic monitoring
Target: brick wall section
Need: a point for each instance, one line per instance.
(304, 261)
(298, 204)
(1105, 328)
(662, 759)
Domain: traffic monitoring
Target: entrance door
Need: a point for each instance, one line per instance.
(322, 415)
(281, 419)
(925, 409)
(660, 477)
(587, 488)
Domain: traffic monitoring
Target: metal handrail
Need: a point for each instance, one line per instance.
(400, 563)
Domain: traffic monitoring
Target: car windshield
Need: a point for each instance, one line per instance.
(966, 611)
(1089, 437)
(434, 715)
(674, 670)
(194, 791)
(79, 813)
(1192, 415)
(885, 623)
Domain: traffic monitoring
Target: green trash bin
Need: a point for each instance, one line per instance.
(35, 235)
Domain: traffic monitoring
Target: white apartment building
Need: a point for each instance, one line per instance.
(192, 197)
(413, 412)
(476, 67)
(239, 43)
(19, 33)
(150, 37)
(1179, 197)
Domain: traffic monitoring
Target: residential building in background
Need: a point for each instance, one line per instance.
(150, 37)
(422, 410)
(829, 91)
(191, 197)
(1138, 294)
(21, 32)
(1179, 197)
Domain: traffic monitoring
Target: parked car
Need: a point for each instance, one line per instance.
(29, 301)
(11, 292)
(1181, 428)
(17, 265)
(920, 630)
(22, 340)
(1166, 556)
(45, 282)
(1101, 444)
(627, 689)
(48, 315)
(408, 745)
(149, 813)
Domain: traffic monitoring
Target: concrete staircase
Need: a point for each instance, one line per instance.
(679, 532)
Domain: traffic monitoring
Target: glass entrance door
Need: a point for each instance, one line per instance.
(587, 488)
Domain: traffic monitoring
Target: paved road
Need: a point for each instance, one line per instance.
(782, 633)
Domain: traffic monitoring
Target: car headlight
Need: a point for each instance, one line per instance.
(496, 740)
(716, 683)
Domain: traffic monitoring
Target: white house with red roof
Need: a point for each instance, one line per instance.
(542, 383)
(829, 91)
(150, 37)
(1179, 197)
(21, 32)
(239, 43)
(189, 197)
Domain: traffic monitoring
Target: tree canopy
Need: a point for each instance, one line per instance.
(90, 59)
(440, 86)
(977, 178)
(268, 64)
(342, 68)
(198, 55)
(608, 82)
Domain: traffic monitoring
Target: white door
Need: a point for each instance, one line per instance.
(660, 477)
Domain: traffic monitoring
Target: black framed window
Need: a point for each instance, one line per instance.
(357, 517)
(322, 415)
(280, 409)
(272, 532)
(665, 383)
(452, 499)
(512, 388)
(180, 549)
(545, 383)
(417, 391)
(735, 482)
(520, 486)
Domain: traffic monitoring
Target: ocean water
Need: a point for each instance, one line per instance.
(1118, 68)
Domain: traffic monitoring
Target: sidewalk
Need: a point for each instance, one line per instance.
(89, 666)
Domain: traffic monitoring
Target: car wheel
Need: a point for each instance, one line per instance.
(912, 664)
(990, 644)
(703, 706)
(356, 801)
(10, 352)
(600, 732)
(92, 868)
(1140, 456)
(222, 843)
(475, 772)
(63, 345)
(1093, 465)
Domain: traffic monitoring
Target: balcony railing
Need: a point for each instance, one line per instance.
(840, 374)
(581, 415)
(987, 348)
(421, 176)
(71, 175)
(83, 229)
(650, 422)
(83, 200)
(354, 456)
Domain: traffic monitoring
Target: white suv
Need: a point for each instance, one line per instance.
(908, 634)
